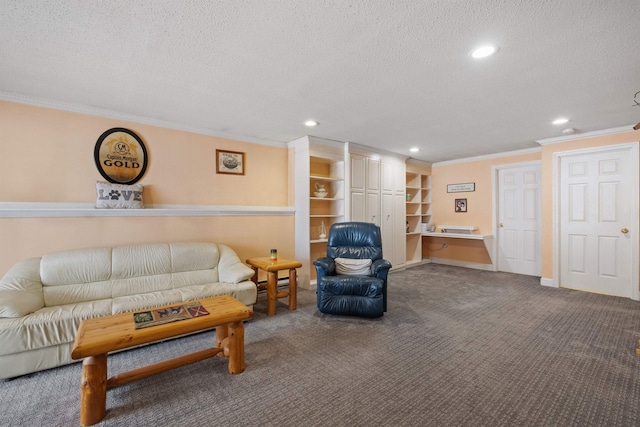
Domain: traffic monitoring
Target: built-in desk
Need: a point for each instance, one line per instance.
(465, 252)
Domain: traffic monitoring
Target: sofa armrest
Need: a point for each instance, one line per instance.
(21, 289)
(230, 268)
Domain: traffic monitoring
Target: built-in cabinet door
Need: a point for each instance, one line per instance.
(373, 175)
(400, 229)
(358, 207)
(365, 189)
(388, 177)
(387, 228)
(393, 229)
(377, 196)
(373, 208)
(358, 174)
(373, 191)
(358, 184)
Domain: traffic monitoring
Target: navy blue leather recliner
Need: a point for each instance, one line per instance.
(352, 278)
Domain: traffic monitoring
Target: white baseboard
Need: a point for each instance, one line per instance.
(544, 281)
(457, 263)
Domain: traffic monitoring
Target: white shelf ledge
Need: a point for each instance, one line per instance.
(66, 210)
(458, 235)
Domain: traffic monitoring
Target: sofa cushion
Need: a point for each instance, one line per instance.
(21, 290)
(147, 300)
(76, 266)
(351, 296)
(48, 326)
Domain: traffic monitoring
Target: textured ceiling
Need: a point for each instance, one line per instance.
(381, 73)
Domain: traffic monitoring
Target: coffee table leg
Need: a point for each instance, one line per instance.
(93, 390)
(293, 287)
(236, 347)
(272, 292)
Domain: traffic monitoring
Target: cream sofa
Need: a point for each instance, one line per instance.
(43, 300)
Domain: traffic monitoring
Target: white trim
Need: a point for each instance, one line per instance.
(634, 148)
(551, 283)
(488, 156)
(466, 264)
(66, 210)
(364, 150)
(575, 136)
(99, 112)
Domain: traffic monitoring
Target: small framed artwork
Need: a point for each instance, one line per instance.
(231, 162)
(461, 205)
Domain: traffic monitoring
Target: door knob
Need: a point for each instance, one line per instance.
(625, 230)
(501, 225)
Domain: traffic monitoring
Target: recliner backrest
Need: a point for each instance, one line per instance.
(358, 240)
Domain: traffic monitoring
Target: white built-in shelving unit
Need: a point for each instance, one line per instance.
(315, 162)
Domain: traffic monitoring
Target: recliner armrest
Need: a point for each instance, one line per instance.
(379, 266)
(327, 265)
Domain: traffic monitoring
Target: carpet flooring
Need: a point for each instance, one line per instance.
(458, 347)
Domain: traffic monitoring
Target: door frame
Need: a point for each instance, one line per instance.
(635, 220)
(495, 200)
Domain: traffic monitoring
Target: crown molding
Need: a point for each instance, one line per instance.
(109, 114)
(584, 135)
(489, 156)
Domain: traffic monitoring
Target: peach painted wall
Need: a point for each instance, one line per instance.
(548, 182)
(47, 156)
(479, 202)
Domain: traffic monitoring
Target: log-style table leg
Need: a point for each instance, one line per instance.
(236, 347)
(254, 279)
(93, 390)
(293, 285)
(272, 292)
(222, 332)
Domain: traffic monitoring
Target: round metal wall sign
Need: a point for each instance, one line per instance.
(120, 156)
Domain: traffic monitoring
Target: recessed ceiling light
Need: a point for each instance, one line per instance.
(560, 121)
(414, 149)
(484, 51)
(311, 123)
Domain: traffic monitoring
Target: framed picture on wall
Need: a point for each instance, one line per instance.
(231, 162)
(461, 205)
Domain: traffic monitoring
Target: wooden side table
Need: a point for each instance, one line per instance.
(272, 267)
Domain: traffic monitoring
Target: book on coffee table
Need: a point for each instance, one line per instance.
(174, 313)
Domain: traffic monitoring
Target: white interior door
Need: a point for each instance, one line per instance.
(598, 218)
(519, 220)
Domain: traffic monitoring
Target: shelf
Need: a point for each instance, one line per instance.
(413, 233)
(324, 178)
(319, 241)
(326, 198)
(325, 216)
(73, 210)
(458, 235)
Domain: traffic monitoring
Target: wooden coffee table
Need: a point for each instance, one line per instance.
(98, 336)
(272, 267)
